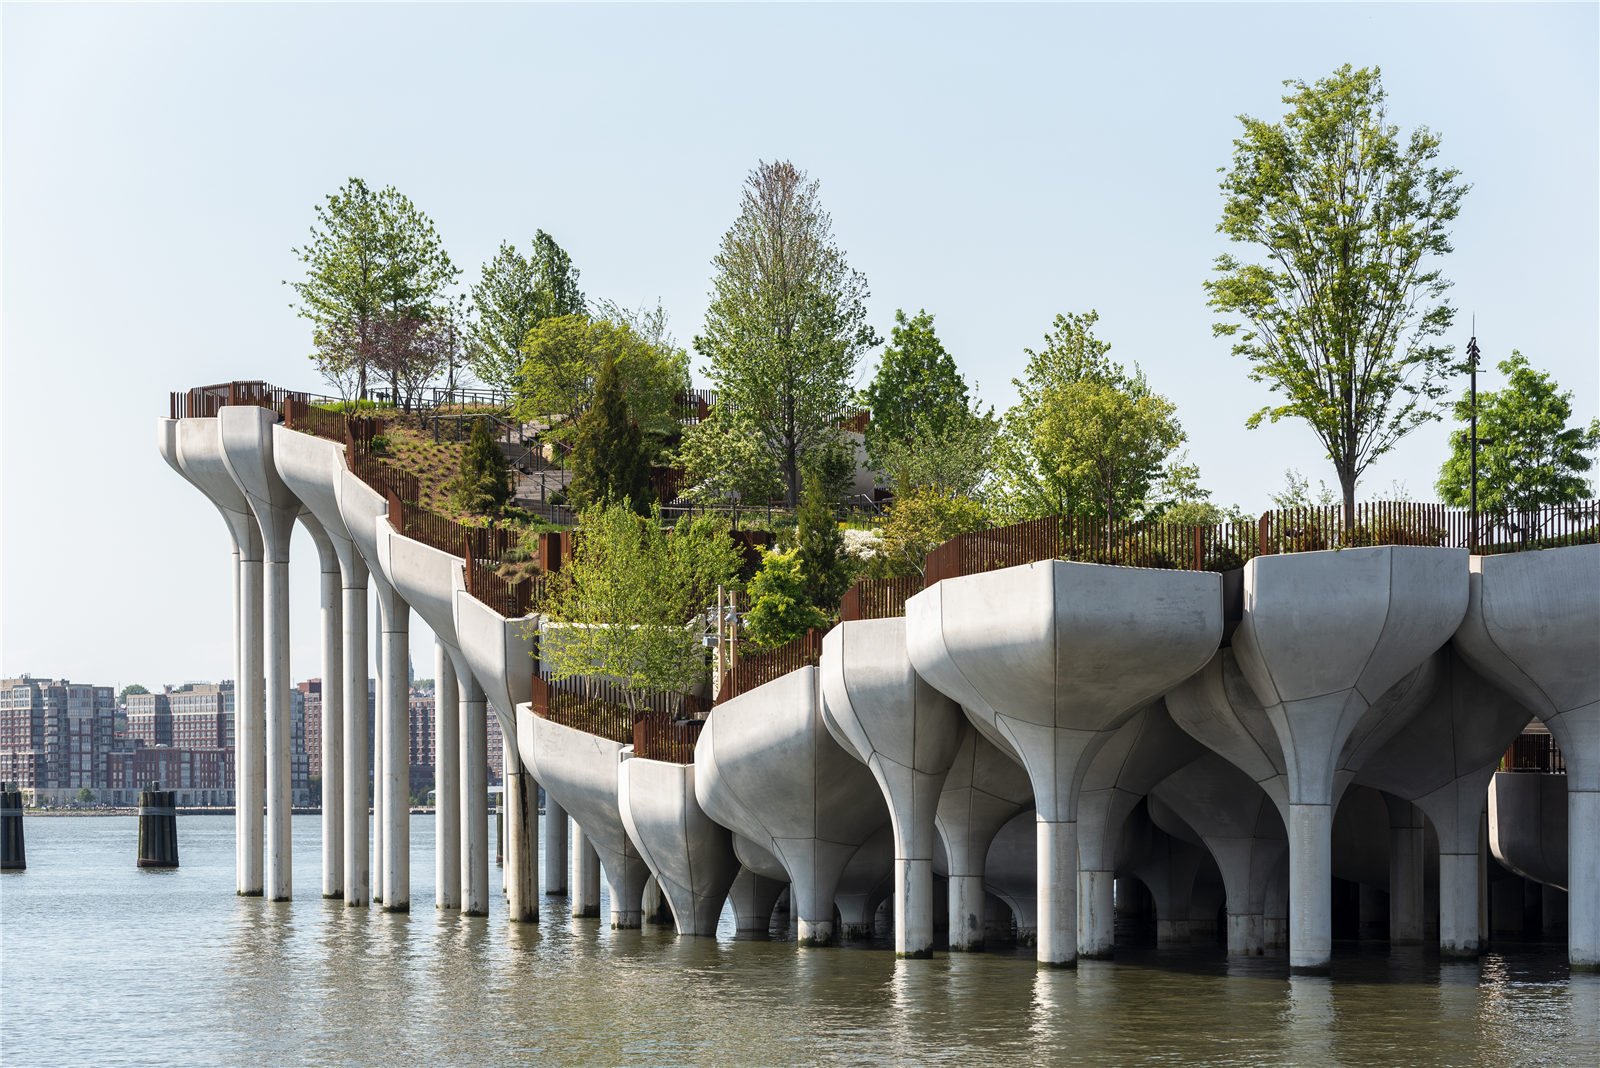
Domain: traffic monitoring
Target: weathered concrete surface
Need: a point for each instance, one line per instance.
(580, 770)
(766, 768)
(907, 734)
(1052, 657)
(753, 897)
(1011, 872)
(690, 855)
(1442, 760)
(1531, 627)
(1139, 754)
(446, 779)
(1170, 866)
(1324, 636)
(867, 880)
(1528, 830)
(331, 631)
(983, 789)
(1240, 826)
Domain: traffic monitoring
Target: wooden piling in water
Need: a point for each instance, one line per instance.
(158, 828)
(13, 852)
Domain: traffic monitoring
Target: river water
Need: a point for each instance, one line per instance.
(102, 964)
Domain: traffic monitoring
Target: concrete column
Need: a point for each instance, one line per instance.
(280, 859)
(1405, 873)
(585, 876)
(1058, 891)
(1458, 904)
(1583, 868)
(1310, 885)
(522, 840)
(967, 906)
(753, 896)
(250, 732)
(380, 716)
(332, 731)
(397, 758)
(555, 847)
(357, 862)
(474, 758)
(1097, 913)
(446, 780)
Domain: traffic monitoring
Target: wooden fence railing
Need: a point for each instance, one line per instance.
(203, 402)
(873, 598)
(1534, 752)
(750, 670)
(659, 726)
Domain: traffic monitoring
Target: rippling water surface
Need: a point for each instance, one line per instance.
(102, 964)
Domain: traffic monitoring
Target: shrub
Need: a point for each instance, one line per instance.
(779, 611)
(484, 485)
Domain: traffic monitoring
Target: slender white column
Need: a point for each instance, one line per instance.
(1310, 885)
(249, 730)
(446, 772)
(555, 847)
(357, 863)
(1058, 892)
(397, 759)
(585, 876)
(380, 716)
(474, 798)
(280, 861)
(332, 730)
(522, 839)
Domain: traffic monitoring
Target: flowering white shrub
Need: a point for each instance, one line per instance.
(862, 544)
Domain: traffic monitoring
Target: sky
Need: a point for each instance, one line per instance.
(995, 165)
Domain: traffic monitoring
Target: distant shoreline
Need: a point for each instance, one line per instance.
(133, 810)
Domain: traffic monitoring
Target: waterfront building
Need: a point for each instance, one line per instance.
(56, 733)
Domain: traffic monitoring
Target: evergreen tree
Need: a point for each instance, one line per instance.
(824, 573)
(485, 483)
(609, 461)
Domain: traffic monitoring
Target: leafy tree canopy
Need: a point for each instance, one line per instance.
(562, 358)
(516, 293)
(609, 461)
(787, 321)
(1340, 315)
(726, 462)
(824, 570)
(919, 522)
(131, 688)
(955, 459)
(780, 610)
(1109, 441)
(1528, 454)
(916, 385)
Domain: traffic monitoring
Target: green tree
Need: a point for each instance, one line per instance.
(1340, 317)
(562, 358)
(128, 690)
(921, 520)
(370, 254)
(515, 293)
(484, 485)
(788, 320)
(916, 386)
(1528, 455)
(1028, 479)
(725, 461)
(780, 610)
(1110, 441)
(1296, 492)
(609, 461)
(955, 460)
(824, 570)
(85, 796)
(626, 605)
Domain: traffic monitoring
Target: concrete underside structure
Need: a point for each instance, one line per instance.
(1060, 726)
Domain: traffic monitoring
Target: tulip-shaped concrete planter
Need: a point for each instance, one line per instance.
(1139, 754)
(579, 770)
(690, 855)
(982, 791)
(767, 769)
(1531, 627)
(907, 734)
(1052, 657)
(1240, 826)
(1442, 760)
(1324, 636)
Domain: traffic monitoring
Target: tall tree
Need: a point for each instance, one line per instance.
(609, 461)
(514, 294)
(371, 254)
(1110, 441)
(916, 383)
(1029, 482)
(562, 359)
(788, 320)
(1528, 455)
(1341, 314)
(824, 571)
(725, 462)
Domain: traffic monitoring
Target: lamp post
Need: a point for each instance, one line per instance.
(1472, 366)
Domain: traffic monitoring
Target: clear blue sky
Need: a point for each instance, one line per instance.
(995, 165)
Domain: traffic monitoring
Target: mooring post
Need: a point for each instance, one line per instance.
(158, 828)
(13, 854)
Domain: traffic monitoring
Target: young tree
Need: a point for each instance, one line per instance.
(1110, 441)
(955, 460)
(484, 485)
(609, 462)
(916, 387)
(1029, 482)
(726, 462)
(1528, 455)
(626, 604)
(514, 294)
(787, 320)
(1340, 317)
(1296, 492)
(921, 520)
(780, 610)
(824, 571)
(562, 358)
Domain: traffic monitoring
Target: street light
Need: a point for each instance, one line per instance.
(1472, 366)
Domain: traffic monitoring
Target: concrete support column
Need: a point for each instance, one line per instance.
(555, 847)
(446, 781)
(1405, 874)
(1458, 904)
(585, 876)
(474, 758)
(1310, 885)
(1583, 877)
(1058, 893)
(913, 914)
(1097, 913)
(332, 730)
(397, 758)
(522, 840)
(380, 716)
(967, 908)
(357, 860)
(250, 732)
(280, 860)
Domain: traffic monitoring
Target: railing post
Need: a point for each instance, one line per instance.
(1199, 548)
(1264, 534)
